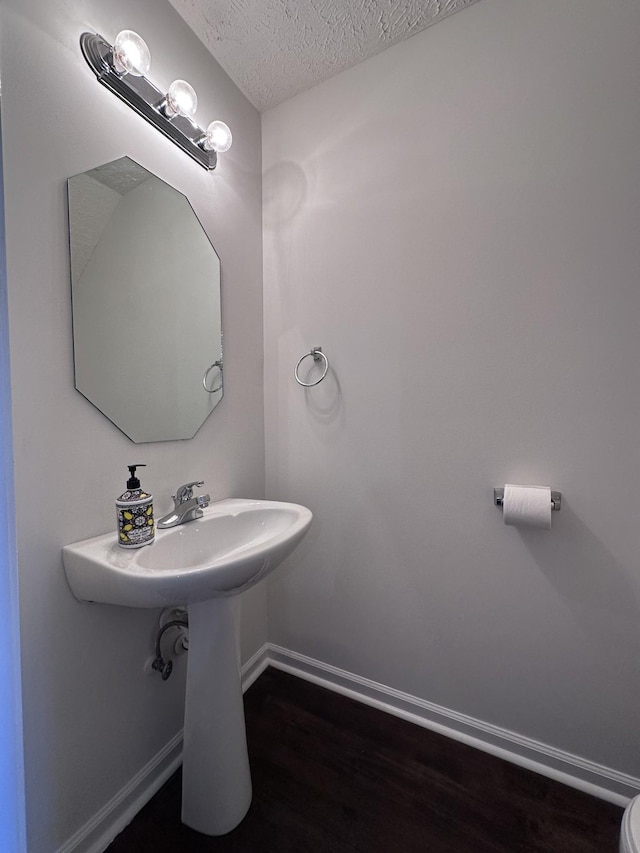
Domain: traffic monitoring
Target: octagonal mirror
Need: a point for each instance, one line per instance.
(145, 284)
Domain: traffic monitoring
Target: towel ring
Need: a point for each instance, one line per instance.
(217, 364)
(318, 355)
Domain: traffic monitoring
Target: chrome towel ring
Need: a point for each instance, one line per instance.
(217, 364)
(317, 355)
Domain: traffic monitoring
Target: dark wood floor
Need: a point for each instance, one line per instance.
(333, 775)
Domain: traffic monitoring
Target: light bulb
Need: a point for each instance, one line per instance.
(181, 99)
(131, 54)
(217, 138)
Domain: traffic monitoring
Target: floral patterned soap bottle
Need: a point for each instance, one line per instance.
(134, 512)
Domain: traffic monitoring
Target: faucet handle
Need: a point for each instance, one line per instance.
(185, 493)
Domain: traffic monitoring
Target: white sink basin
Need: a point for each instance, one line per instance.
(203, 564)
(233, 546)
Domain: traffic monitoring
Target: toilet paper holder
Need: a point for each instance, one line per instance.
(556, 499)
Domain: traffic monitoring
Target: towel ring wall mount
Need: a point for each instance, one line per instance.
(317, 355)
(217, 364)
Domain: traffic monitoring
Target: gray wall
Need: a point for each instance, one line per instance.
(92, 719)
(12, 823)
(455, 222)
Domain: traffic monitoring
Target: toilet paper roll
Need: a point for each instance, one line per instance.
(527, 506)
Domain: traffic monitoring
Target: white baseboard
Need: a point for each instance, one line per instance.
(254, 667)
(96, 835)
(596, 779)
(603, 782)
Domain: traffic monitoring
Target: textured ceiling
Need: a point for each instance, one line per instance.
(274, 49)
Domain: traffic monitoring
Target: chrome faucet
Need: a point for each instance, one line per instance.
(185, 506)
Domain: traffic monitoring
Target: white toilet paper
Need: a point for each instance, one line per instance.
(528, 506)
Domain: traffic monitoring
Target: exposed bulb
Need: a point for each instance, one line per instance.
(217, 138)
(181, 99)
(131, 54)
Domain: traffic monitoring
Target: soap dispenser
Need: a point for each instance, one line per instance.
(134, 512)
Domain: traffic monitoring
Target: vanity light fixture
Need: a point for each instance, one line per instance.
(122, 67)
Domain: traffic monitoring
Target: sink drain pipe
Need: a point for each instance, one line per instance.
(159, 664)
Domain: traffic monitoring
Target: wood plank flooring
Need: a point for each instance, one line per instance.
(334, 776)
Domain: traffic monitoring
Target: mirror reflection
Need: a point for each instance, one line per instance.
(145, 283)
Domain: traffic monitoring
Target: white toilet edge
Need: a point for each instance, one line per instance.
(630, 831)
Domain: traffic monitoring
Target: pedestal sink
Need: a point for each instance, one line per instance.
(202, 564)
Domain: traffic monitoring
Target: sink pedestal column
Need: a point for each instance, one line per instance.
(216, 781)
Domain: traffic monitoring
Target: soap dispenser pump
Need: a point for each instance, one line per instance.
(134, 513)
